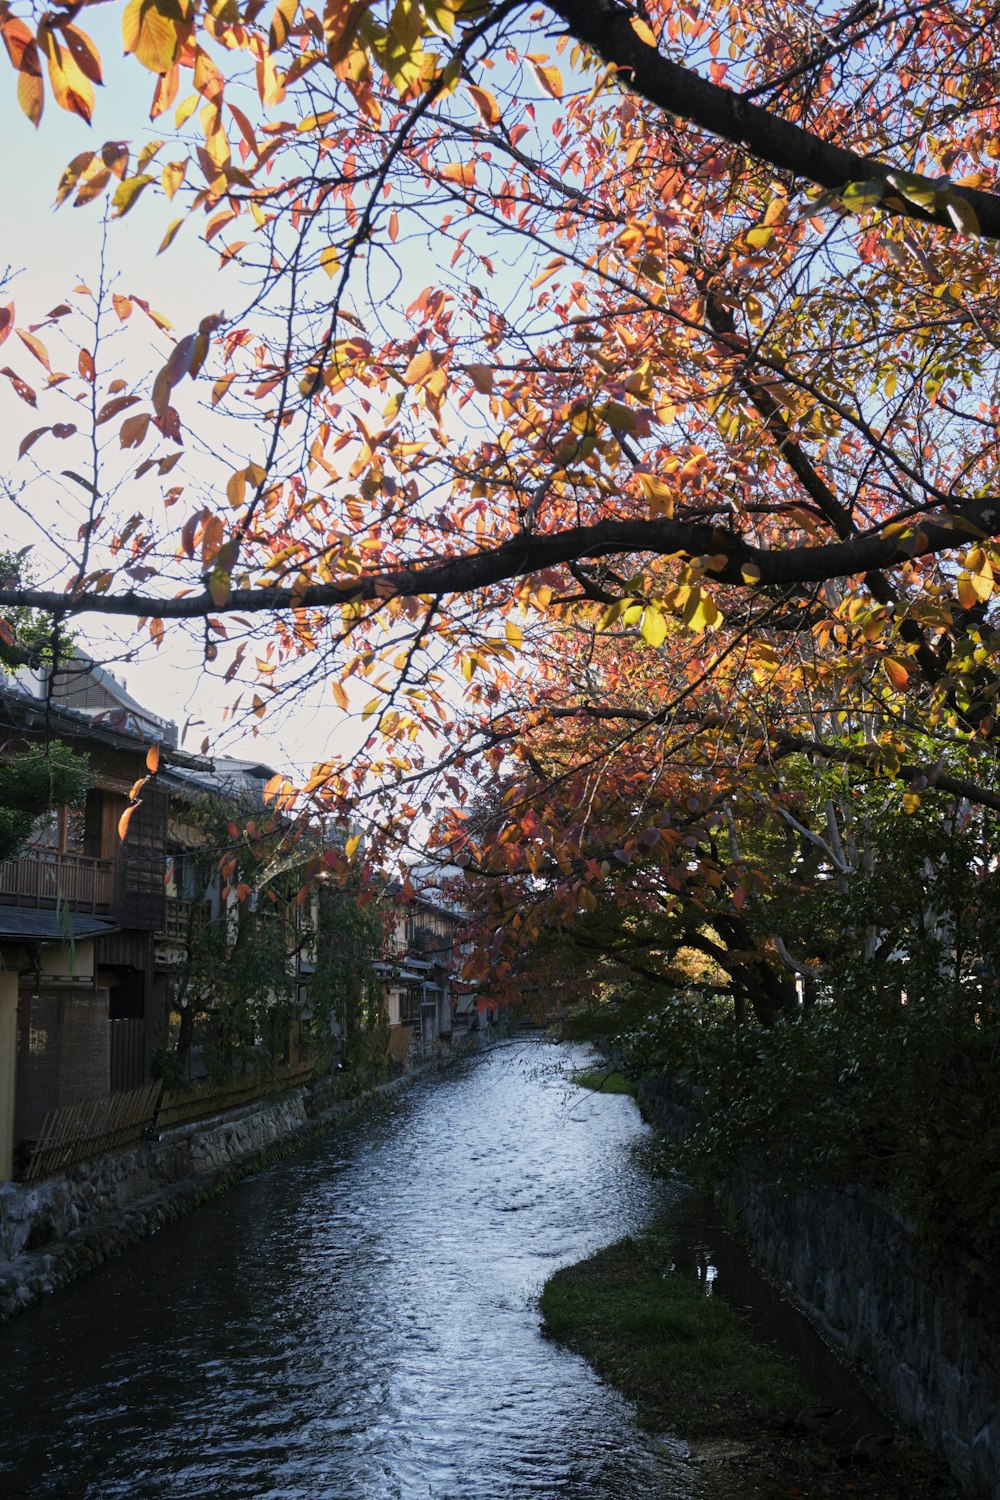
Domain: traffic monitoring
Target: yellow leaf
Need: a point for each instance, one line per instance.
(550, 80)
(642, 30)
(339, 696)
(619, 416)
(911, 802)
(168, 238)
(962, 214)
(152, 33)
(700, 612)
(758, 237)
(659, 494)
(127, 192)
(221, 386)
(329, 259)
(514, 633)
(281, 24)
(172, 176)
(858, 197)
(236, 488)
(352, 845)
(917, 189)
(653, 626)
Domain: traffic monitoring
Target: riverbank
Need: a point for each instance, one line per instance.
(923, 1326)
(55, 1230)
(693, 1371)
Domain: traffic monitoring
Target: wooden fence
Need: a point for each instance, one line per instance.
(182, 1106)
(77, 1132)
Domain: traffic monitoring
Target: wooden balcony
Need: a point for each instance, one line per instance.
(46, 878)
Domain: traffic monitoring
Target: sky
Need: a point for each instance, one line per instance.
(48, 251)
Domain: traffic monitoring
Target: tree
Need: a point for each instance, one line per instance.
(708, 345)
(32, 782)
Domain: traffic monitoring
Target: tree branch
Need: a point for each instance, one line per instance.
(607, 29)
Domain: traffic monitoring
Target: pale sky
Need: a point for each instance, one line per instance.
(49, 251)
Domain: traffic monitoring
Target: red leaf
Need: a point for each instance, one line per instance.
(30, 439)
(22, 387)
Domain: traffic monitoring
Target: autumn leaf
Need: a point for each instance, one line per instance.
(550, 79)
(151, 30)
(896, 673)
(126, 819)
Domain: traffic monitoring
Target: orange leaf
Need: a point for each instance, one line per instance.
(481, 377)
(489, 110)
(420, 366)
(126, 819)
(462, 172)
(153, 759)
(896, 673)
(36, 347)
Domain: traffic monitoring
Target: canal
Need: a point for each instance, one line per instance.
(357, 1322)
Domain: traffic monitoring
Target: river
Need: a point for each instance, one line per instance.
(358, 1322)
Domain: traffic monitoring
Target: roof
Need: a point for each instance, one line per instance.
(31, 925)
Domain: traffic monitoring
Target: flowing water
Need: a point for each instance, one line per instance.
(358, 1322)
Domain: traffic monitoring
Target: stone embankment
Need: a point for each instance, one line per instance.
(926, 1329)
(51, 1231)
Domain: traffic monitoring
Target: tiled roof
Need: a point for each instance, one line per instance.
(28, 923)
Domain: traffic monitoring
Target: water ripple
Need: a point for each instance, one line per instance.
(358, 1322)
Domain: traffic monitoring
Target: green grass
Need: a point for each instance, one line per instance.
(604, 1083)
(683, 1358)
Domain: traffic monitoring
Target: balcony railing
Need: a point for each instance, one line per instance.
(184, 917)
(46, 877)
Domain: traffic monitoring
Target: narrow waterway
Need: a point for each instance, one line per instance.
(358, 1322)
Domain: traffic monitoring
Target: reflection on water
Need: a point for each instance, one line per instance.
(357, 1323)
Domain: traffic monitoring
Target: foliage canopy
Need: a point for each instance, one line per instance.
(613, 420)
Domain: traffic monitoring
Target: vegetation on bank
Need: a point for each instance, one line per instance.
(604, 1082)
(880, 1070)
(682, 1357)
(689, 1365)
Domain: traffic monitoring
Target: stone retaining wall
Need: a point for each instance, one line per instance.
(53, 1230)
(927, 1330)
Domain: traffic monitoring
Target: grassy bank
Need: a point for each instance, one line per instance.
(682, 1357)
(603, 1082)
(690, 1367)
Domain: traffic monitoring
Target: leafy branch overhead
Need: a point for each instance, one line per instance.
(613, 404)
